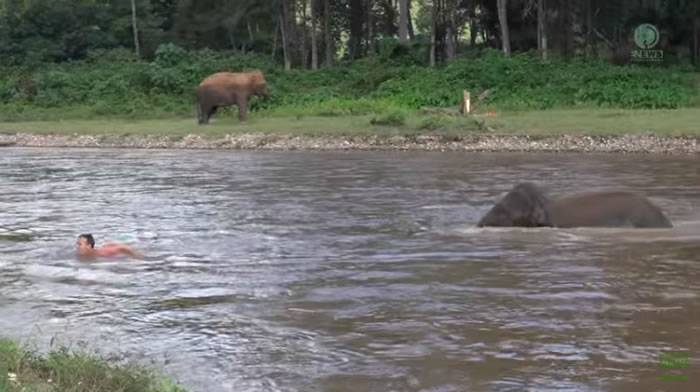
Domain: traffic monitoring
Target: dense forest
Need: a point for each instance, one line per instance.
(314, 33)
(140, 57)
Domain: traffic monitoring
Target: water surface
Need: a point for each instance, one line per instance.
(355, 271)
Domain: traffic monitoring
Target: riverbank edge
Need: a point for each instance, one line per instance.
(477, 142)
(26, 369)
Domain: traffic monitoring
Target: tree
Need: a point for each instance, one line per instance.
(328, 34)
(284, 28)
(503, 21)
(695, 42)
(302, 33)
(403, 21)
(435, 14)
(450, 22)
(356, 21)
(135, 28)
(314, 43)
(541, 29)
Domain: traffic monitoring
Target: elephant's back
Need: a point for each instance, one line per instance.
(232, 79)
(608, 209)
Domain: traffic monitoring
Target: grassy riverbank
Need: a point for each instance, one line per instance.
(64, 370)
(117, 95)
(593, 122)
(659, 122)
(116, 84)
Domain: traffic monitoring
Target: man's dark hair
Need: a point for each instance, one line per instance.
(89, 239)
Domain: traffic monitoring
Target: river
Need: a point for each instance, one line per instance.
(351, 271)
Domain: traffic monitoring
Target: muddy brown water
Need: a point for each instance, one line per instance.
(352, 271)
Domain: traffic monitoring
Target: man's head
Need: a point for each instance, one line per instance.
(86, 241)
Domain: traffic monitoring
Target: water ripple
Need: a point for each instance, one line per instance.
(338, 271)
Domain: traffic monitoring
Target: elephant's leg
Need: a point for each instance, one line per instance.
(205, 110)
(242, 109)
(211, 112)
(202, 117)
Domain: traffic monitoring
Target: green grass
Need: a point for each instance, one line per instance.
(227, 124)
(661, 122)
(595, 121)
(23, 370)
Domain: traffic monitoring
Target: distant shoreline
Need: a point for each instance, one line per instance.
(624, 143)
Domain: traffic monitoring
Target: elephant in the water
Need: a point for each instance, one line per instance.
(526, 205)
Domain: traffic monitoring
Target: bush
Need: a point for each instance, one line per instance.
(169, 55)
(114, 82)
(105, 56)
(524, 82)
(433, 122)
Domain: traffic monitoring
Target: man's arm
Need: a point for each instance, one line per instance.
(130, 252)
(113, 249)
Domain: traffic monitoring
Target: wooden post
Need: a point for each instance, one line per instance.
(466, 103)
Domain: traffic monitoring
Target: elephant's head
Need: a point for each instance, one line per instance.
(525, 206)
(259, 84)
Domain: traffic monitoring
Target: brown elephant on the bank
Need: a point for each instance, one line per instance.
(526, 205)
(226, 89)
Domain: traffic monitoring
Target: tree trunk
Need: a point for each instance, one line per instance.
(503, 20)
(450, 49)
(433, 35)
(403, 22)
(473, 25)
(696, 39)
(302, 38)
(357, 18)
(542, 29)
(370, 30)
(285, 41)
(438, 33)
(314, 44)
(135, 29)
(411, 33)
(292, 29)
(566, 29)
(274, 39)
(451, 32)
(231, 39)
(330, 50)
(590, 52)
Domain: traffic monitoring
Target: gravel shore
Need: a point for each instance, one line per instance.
(477, 142)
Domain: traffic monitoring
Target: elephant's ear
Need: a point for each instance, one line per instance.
(539, 215)
(532, 203)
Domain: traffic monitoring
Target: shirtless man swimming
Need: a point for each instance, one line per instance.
(86, 247)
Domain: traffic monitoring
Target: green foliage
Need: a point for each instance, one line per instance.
(66, 370)
(394, 118)
(525, 82)
(115, 83)
(444, 122)
(111, 56)
(170, 55)
(433, 122)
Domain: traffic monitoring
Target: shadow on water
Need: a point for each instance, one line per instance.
(350, 271)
